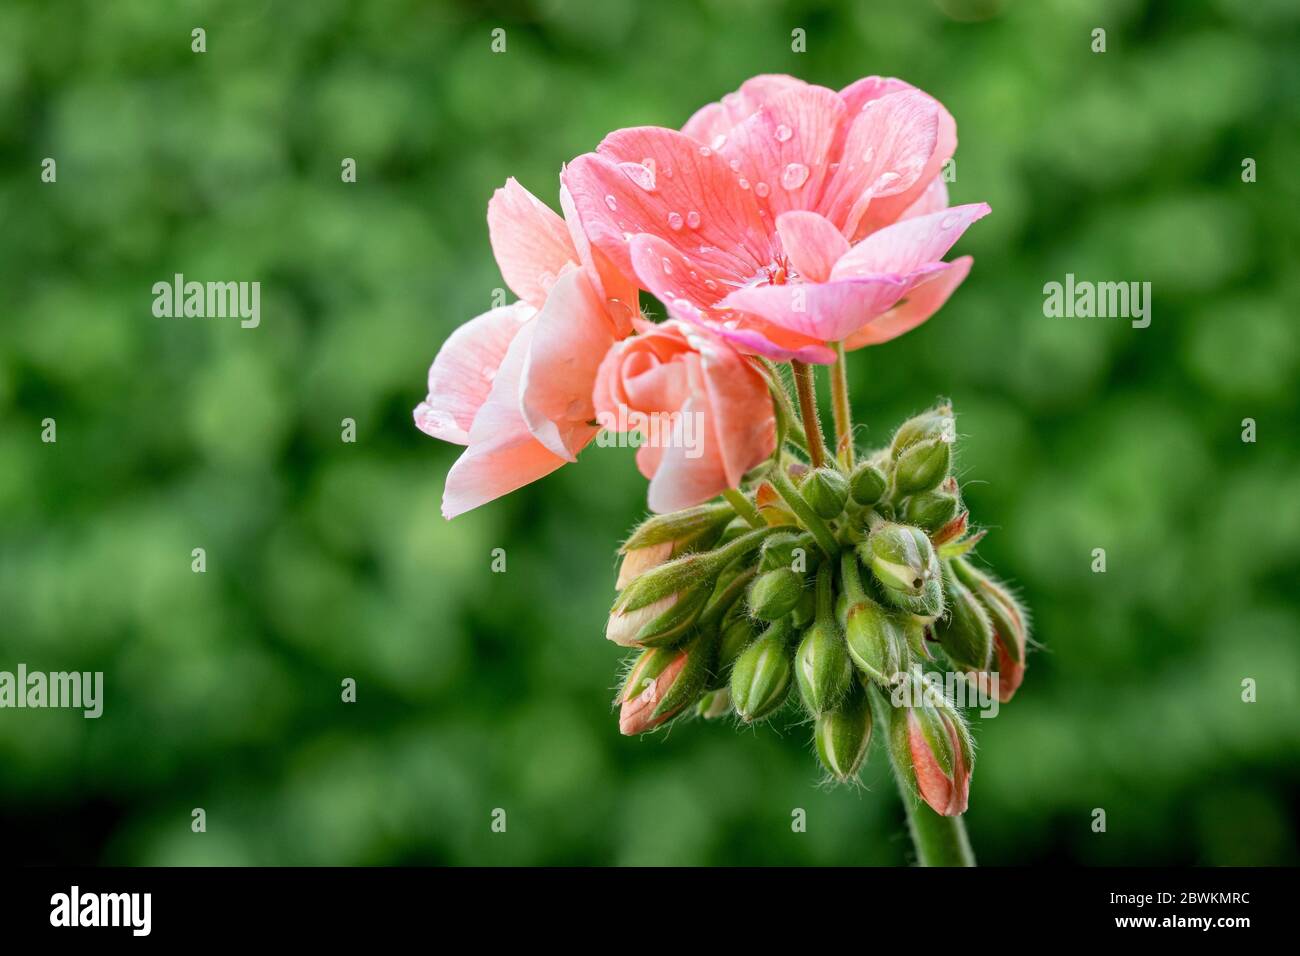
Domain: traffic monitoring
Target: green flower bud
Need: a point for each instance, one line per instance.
(796, 550)
(760, 678)
(805, 611)
(715, 704)
(876, 641)
(843, 734)
(734, 529)
(935, 423)
(825, 490)
(931, 747)
(662, 683)
(774, 594)
(867, 484)
(1009, 621)
(821, 663)
(932, 510)
(737, 634)
(665, 536)
(922, 466)
(966, 634)
(903, 561)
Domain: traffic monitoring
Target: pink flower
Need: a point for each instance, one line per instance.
(787, 216)
(943, 780)
(705, 408)
(514, 384)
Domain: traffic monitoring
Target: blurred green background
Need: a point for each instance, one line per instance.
(479, 691)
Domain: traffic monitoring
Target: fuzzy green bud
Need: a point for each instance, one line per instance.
(932, 510)
(795, 550)
(966, 634)
(760, 677)
(876, 641)
(843, 734)
(922, 466)
(934, 423)
(826, 490)
(821, 663)
(867, 483)
(715, 704)
(903, 561)
(774, 594)
(662, 683)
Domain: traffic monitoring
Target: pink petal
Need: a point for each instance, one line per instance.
(531, 243)
(887, 147)
(718, 119)
(812, 243)
(827, 311)
(889, 209)
(572, 334)
(910, 244)
(932, 199)
(502, 454)
(669, 274)
(618, 290)
(754, 335)
(660, 182)
(921, 303)
(781, 151)
(461, 376)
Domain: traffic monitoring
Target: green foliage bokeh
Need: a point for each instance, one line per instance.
(478, 691)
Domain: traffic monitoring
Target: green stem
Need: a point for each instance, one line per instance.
(938, 840)
(812, 426)
(742, 507)
(821, 532)
(842, 411)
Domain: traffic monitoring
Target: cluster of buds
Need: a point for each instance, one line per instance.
(837, 587)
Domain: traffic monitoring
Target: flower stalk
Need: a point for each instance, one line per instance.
(840, 408)
(806, 389)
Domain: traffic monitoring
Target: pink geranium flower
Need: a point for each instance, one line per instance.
(746, 222)
(514, 384)
(714, 405)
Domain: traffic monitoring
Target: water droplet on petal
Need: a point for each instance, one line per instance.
(794, 175)
(869, 154)
(643, 174)
(783, 133)
(734, 164)
(761, 189)
(705, 151)
(720, 141)
(668, 266)
(675, 221)
(710, 284)
(488, 373)
(609, 201)
(743, 182)
(887, 179)
(693, 219)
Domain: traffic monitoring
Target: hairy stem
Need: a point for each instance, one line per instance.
(840, 408)
(821, 532)
(812, 426)
(742, 506)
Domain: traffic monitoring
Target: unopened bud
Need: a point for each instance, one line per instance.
(932, 749)
(774, 594)
(867, 484)
(904, 563)
(796, 550)
(662, 682)
(661, 537)
(935, 423)
(843, 733)
(932, 510)
(922, 466)
(804, 611)
(822, 667)
(715, 704)
(876, 641)
(1009, 622)
(737, 633)
(966, 634)
(760, 678)
(826, 491)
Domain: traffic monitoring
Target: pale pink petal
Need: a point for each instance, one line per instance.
(861, 92)
(718, 119)
(669, 274)
(782, 151)
(754, 335)
(932, 199)
(502, 454)
(921, 303)
(660, 182)
(908, 245)
(530, 241)
(812, 244)
(827, 311)
(887, 147)
(461, 375)
(889, 209)
(571, 338)
(618, 290)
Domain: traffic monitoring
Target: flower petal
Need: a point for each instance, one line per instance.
(910, 244)
(572, 334)
(812, 243)
(754, 335)
(718, 119)
(921, 302)
(461, 376)
(660, 182)
(743, 421)
(502, 454)
(618, 290)
(531, 243)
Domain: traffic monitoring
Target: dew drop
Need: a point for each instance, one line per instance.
(735, 165)
(761, 189)
(705, 151)
(743, 182)
(609, 201)
(720, 141)
(668, 266)
(693, 219)
(783, 133)
(675, 221)
(794, 175)
(887, 179)
(710, 284)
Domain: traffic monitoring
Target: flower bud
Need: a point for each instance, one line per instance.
(774, 594)
(843, 733)
(904, 563)
(760, 678)
(734, 529)
(966, 635)
(662, 682)
(663, 536)
(932, 750)
(714, 704)
(876, 641)
(951, 531)
(737, 633)
(661, 622)
(932, 510)
(805, 610)
(826, 490)
(1009, 622)
(822, 667)
(935, 423)
(922, 466)
(867, 483)
(795, 550)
